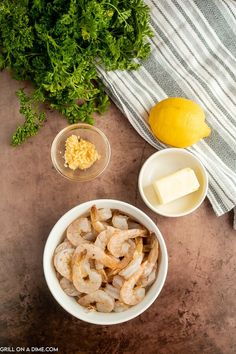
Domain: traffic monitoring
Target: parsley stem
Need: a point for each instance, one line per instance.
(120, 14)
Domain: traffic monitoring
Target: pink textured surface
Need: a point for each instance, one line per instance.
(195, 311)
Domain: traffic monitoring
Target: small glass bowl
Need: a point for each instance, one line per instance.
(86, 132)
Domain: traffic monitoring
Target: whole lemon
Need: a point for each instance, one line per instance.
(178, 121)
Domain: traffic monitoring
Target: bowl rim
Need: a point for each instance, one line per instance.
(167, 151)
(80, 126)
(88, 204)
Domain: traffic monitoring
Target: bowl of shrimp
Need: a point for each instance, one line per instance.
(105, 261)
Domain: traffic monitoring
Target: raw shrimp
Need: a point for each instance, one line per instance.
(130, 294)
(64, 245)
(120, 221)
(152, 258)
(85, 266)
(90, 236)
(104, 237)
(84, 278)
(126, 259)
(101, 242)
(118, 239)
(147, 281)
(132, 224)
(62, 262)
(97, 223)
(76, 229)
(104, 303)
(107, 260)
(102, 272)
(69, 288)
(133, 266)
(104, 214)
(128, 256)
(117, 281)
(120, 306)
(112, 291)
(97, 253)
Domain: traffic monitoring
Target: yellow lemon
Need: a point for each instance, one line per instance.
(178, 122)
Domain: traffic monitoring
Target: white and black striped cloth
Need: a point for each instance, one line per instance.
(193, 56)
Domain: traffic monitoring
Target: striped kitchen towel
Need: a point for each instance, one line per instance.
(193, 56)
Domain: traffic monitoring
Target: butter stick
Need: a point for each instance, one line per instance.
(176, 185)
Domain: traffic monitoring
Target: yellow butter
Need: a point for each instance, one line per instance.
(176, 185)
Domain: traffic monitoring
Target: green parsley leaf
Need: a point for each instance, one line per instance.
(58, 44)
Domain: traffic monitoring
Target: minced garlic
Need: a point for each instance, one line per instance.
(80, 153)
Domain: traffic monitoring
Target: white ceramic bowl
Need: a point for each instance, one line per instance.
(69, 303)
(161, 164)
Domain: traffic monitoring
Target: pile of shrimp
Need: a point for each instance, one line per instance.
(107, 261)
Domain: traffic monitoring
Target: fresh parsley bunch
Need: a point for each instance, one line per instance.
(58, 44)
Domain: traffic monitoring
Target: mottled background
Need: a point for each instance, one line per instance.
(195, 312)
